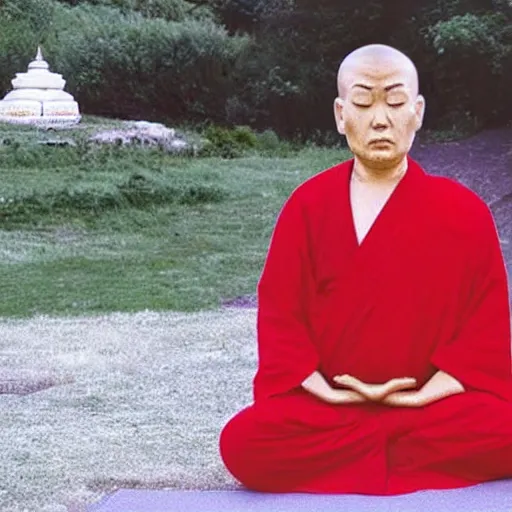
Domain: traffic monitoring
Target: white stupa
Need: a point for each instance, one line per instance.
(39, 97)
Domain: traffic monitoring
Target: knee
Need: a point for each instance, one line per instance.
(233, 444)
(241, 450)
(229, 438)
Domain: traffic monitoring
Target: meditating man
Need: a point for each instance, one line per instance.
(383, 317)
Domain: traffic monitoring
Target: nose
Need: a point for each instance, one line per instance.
(380, 120)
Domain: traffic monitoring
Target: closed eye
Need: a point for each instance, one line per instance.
(396, 105)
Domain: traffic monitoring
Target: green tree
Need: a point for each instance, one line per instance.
(474, 63)
(291, 70)
(131, 66)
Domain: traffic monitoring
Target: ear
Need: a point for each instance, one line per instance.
(338, 115)
(419, 111)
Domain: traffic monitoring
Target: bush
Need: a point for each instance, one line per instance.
(242, 140)
(131, 67)
(168, 60)
(269, 144)
(474, 61)
(138, 191)
(229, 143)
(24, 24)
(38, 14)
(269, 141)
(141, 190)
(170, 10)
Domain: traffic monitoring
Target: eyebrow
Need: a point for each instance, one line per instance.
(388, 88)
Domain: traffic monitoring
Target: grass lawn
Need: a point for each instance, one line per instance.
(88, 230)
(85, 231)
(147, 396)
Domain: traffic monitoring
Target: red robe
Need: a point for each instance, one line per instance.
(425, 290)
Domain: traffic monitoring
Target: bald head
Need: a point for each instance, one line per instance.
(376, 60)
(378, 99)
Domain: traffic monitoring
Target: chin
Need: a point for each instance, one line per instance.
(383, 159)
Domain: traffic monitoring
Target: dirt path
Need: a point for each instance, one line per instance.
(484, 164)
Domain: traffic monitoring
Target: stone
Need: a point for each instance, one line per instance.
(38, 97)
(24, 382)
(58, 142)
(153, 130)
(243, 301)
(179, 145)
(144, 133)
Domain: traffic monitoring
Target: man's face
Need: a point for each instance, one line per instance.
(379, 111)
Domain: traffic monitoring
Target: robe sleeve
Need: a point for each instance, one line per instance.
(479, 355)
(286, 352)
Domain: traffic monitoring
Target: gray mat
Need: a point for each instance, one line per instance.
(489, 497)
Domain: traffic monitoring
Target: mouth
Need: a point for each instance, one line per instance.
(381, 141)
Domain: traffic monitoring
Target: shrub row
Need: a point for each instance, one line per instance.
(237, 62)
(138, 191)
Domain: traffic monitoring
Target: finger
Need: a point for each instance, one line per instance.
(397, 386)
(406, 383)
(404, 379)
(350, 382)
(373, 392)
(349, 379)
(343, 379)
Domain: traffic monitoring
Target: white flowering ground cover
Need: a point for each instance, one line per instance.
(149, 396)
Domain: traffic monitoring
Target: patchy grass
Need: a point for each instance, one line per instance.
(88, 229)
(146, 399)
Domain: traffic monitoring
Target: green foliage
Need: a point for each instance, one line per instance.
(24, 24)
(271, 145)
(470, 36)
(37, 13)
(139, 190)
(242, 140)
(17, 153)
(129, 66)
(122, 64)
(330, 139)
(269, 140)
(86, 180)
(170, 10)
(289, 89)
(99, 229)
(169, 60)
(228, 143)
(474, 61)
(244, 15)
(17, 47)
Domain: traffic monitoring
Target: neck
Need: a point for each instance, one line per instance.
(379, 175)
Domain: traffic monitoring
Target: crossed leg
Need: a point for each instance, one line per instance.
(461, 440)
(296, 443)
(287, 442)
